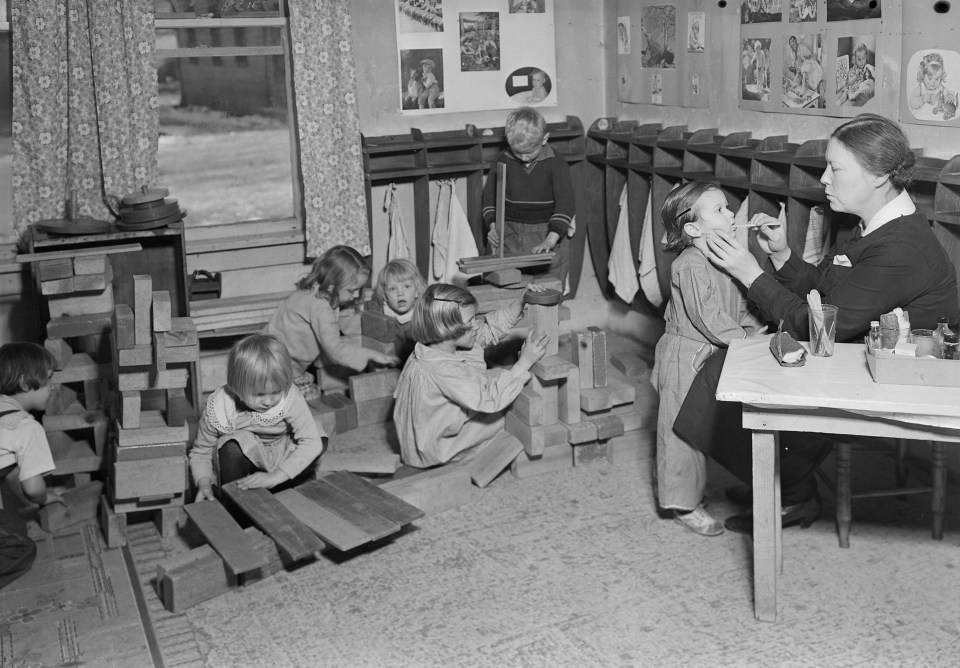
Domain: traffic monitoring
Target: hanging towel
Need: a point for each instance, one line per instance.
(649, 282)
(452, 238)
(621, 269)
(398, 248)
(813, 244)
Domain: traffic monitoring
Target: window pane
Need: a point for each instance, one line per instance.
(225, 151)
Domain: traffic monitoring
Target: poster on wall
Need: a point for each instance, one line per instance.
(470, 55)
(930, 76)
(820, 65)
(663, 52)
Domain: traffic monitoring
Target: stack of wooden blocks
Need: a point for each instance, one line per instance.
(153, 353)
(79, 298)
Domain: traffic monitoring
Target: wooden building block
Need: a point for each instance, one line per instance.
(632, 418)
(528, 407)
(191, 578)
(292, 537)
(590, 453)
(374, 411)
(599, 356)
(333, 529)
(88, 265)
(535, 439)
(581, 432)
(60, 350)
(379, 326)
(129, 453)
(493, 458)
(183, 332)
(130, 410)
(545, 320)
(568, 398)
(594, 399)
(374, 385)
(168, 520)
(608, 426)
(379, 346)
(372, 497)
(333, 378)
(49, 270)
(161, 311)
(94, 391)
(72, 455)
(581, 349)
(550, 391)
(177, 407)
(360, 462)
(150, 379)
(225, 536)
(61, 398)
(94, 282)
(123, 327)
(81, 504)
(630, 364)
(375, 525)
(58, 286)
(503, 277)
(141, 355)
(143, 478)
(174, 355)
(151, 503)
(80, 367)
(621, 393)
(74, 417)
(555, 458)
(153, 429)
(79, 325)
(335, 413)
(142, 301)
(81, 305)
(552, 368)
(113, 525)
(434, 490)
(632, 446)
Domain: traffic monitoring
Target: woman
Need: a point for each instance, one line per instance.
(892, 259)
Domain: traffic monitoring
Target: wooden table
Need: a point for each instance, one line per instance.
(833, 395)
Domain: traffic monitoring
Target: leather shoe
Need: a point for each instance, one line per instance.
(804, 514)
(742, 494)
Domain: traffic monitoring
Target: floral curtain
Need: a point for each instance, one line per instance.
(325, 80)
(84, 104)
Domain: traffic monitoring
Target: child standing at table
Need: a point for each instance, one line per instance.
(25, 371)
(308, 321)
(258, 424)
(539, 205)
(705, 312)
(447, 401)
(399, 286)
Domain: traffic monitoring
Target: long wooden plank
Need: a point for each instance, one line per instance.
(290, 534)
(79, 252)
(374, 498)
(373, 524)
(332, 528)
(501, 210)
(225, 536)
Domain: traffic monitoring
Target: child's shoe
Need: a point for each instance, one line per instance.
(698, 521)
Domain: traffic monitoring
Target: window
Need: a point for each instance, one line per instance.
(227, 144)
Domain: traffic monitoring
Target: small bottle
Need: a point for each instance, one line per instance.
(940, 332)
(874, 340)
(951, 346)
(947, 339)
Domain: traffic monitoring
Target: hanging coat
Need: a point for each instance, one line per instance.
(621, 271)
(452, 238)
(398, 248)
(649, 282)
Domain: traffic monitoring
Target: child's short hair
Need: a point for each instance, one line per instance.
(256, 361)
(525, 127)
(932, 62)
(335, 267)
(679, 208)
(24, 367)
(398, 270)
(436, 315)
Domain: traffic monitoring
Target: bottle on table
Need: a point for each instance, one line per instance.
(942, 331)
(875, 341)
(948, 339)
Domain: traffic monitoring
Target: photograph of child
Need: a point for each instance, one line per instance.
(849, 10)
(696, 31)
(658, 27)
(856, 76)
(931, 96)
(479, 41)
(421, 79)
(755, 69)
(656, 89)
(419, 16)
(527, 6)
(528, 86)
(761, 11)
(803, 85)
(623, 35)
(803, 10)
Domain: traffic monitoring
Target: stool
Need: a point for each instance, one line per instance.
(938, 486)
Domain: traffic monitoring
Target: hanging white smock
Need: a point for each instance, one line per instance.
(397, 248)
(621, 268)
(649, 282)
(452, 238)
(813, 243)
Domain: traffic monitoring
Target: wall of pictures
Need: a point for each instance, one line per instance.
(468, 55)
(663, 53)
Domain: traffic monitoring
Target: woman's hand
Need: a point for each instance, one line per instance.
(771, 233)
(725, 251)
(534, 348)
(262, 479)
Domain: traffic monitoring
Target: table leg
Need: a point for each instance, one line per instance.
(844, 510)
(939, 470)
(766, 524)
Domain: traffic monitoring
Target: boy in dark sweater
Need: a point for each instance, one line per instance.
(539, 207)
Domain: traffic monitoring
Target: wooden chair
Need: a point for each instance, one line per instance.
(845, 495)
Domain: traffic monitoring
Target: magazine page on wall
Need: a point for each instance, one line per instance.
(930, 78)
(663, 52)
(471, 55)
